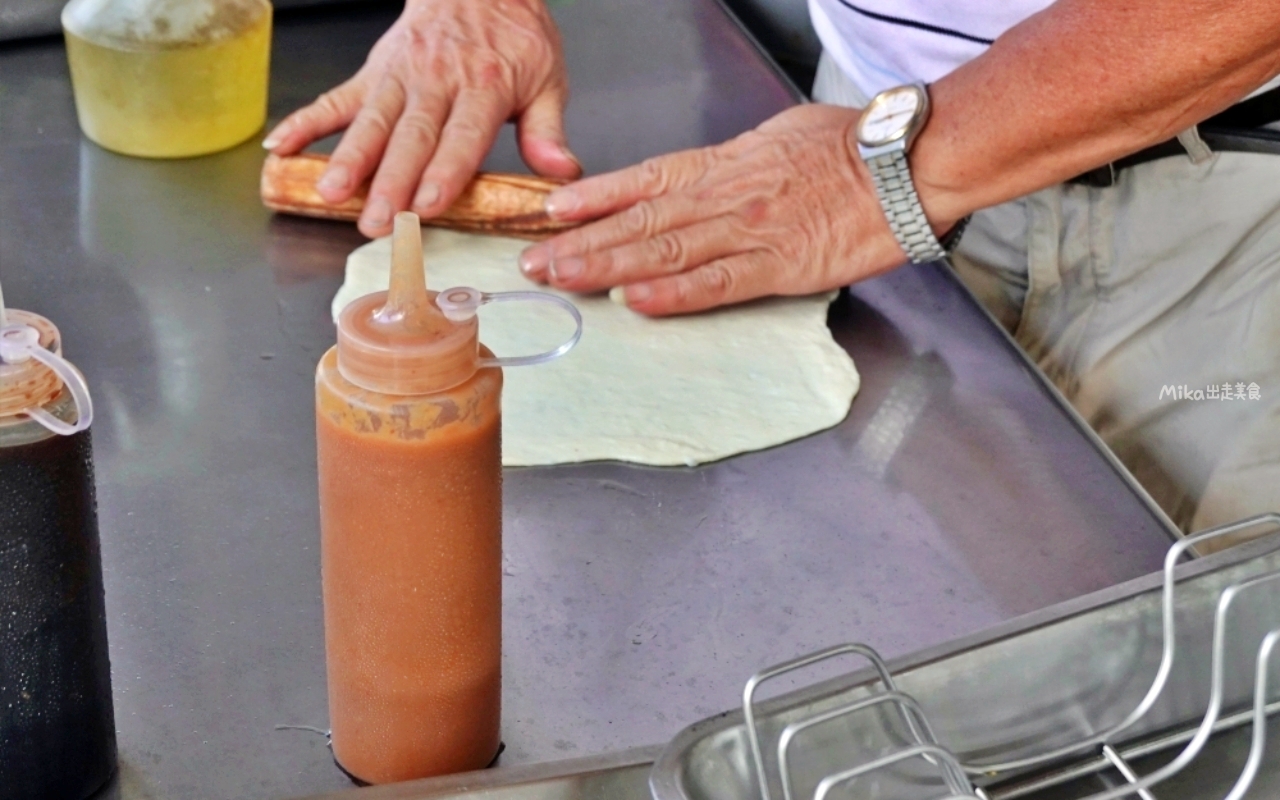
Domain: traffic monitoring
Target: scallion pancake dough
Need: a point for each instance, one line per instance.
(676, 391)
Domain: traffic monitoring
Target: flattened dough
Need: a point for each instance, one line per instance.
(664, 392)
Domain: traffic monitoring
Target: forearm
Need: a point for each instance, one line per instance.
(1083, 83)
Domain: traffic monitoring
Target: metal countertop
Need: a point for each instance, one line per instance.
(957, 494)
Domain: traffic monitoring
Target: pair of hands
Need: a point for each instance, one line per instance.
(787, 208)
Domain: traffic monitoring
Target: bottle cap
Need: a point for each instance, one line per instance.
(399, 341)
(33, 372)
(24, 381)
(411, 341)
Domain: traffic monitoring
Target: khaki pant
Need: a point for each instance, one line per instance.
(1142, 302)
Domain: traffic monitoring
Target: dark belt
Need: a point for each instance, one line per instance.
(1237, 130)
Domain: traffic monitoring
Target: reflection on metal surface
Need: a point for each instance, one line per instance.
(197, 203)
(883, 435)
(183, 221)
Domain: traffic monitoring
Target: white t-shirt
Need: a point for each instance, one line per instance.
(880, 44)
(884, 43)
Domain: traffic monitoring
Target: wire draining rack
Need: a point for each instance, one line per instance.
(1158, 685)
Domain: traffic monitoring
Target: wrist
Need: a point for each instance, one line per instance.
(943, 205)
(879, 245)
(884, 162)
(954, 178)
(941, 197)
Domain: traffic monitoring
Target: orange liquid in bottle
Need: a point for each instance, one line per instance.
(411, 529)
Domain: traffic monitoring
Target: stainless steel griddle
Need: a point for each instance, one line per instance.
(959, 493)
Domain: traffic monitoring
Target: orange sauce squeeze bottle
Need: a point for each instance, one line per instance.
(409, 455)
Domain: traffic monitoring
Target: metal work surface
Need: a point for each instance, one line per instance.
(957, 494)
(1046, 688)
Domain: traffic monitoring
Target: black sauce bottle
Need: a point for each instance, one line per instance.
(57, 730)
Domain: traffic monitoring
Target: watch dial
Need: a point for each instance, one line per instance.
(889, 116)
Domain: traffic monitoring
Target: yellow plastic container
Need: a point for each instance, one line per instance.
(169, 78)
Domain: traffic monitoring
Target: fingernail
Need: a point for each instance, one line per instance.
(638, 293)
(274, 138)
(337, 177)
(566, 269)
(618, 294)
(564, 151)
(377, 213)
(535, 260)
(562, 201)
(428, 196)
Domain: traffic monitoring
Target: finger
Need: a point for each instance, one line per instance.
(605, 194)
(668, 253)
(331, 111)
(409, 150)
(734, 279)
(364, 142)
(473, 124)
(540, 132)
(644, 220)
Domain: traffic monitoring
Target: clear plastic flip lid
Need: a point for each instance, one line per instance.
(33, 372)
(408, 340)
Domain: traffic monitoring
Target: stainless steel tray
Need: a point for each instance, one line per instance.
(1035, 685)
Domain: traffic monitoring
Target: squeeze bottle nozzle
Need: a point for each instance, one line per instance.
(398, 341)
(407, 300)
(408, 306)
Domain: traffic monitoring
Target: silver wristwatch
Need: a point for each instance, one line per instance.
(887, 129)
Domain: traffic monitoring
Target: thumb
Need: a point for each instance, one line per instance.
(540, 130)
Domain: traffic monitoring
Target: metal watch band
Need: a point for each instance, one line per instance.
(892, 177)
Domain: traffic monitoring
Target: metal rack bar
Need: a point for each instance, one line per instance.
(749, 691)
(1131, 752)
(920, 750)
(1166, 656)
(1259, 744)
(1217, 668)
(1126, 771)
(906, 704)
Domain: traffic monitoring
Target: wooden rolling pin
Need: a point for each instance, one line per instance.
(495, 203)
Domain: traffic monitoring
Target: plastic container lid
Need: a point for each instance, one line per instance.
(160, 24)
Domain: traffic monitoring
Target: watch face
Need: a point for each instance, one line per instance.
(889, 116)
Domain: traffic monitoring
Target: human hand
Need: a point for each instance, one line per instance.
(788, 208)
(428, 103)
